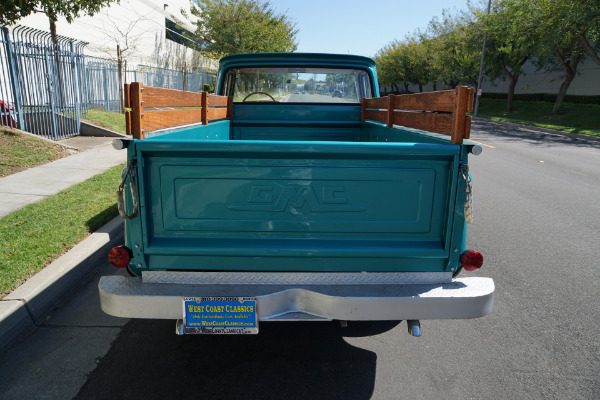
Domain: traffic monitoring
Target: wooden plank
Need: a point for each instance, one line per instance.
(204, 104)
(230, 108)
(460, 111)
(160, 119)
(390, 108)
(431, 122)
(363, 109)
(216, 113)
(137, 109)
(212, 100)
(467, 134)
(374, 115)
(127, 104)
(378, 102)
(442, 100)
(159, 97)
(471, 100)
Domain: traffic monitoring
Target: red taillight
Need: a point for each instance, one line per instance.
(119, 256)
(471, 260)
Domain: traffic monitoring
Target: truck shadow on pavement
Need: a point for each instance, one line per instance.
(295, 360)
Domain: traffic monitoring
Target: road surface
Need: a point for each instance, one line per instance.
(537, 222)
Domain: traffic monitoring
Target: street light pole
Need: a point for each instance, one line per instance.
(479, 79)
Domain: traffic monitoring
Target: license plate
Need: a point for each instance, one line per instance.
(220, 315)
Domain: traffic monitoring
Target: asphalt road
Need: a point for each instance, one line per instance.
(537, 222)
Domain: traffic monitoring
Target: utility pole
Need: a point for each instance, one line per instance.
(480, 78)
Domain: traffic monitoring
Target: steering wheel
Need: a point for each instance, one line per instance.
(265, 93)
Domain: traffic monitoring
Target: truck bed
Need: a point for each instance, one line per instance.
(210, 203)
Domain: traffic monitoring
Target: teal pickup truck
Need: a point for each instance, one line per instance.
(295, 193)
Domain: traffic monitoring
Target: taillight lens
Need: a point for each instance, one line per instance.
(471, 260)
(119, 256)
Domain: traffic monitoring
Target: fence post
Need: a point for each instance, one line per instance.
(50, 75)
(84, 80)
(76, 88)
(14, 78)
(106, 99)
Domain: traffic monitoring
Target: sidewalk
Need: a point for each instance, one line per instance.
(29, 304)
(32, 185)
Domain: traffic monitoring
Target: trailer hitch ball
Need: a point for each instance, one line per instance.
(414, 327)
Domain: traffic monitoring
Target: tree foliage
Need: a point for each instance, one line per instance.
(456, 42)
(555, 35)
(448, 52)
(243, 26)
(512, 41)
(13, 10)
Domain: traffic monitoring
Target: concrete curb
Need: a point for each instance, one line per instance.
(87, 129)
(22, 310)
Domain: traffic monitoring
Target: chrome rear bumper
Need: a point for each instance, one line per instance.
(459, 298)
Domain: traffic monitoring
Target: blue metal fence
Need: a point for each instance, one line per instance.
(42, 83)
(47, 87)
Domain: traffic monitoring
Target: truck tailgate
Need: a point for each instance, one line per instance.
(295, 206)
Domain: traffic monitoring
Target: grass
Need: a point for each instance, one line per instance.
(109, 120)
(575, 118)
(19, 151)
(37, 234)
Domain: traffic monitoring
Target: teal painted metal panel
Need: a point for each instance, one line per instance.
(297, 205)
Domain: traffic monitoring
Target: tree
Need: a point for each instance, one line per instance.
(512, 41)
(242, 26)
(585, 15)
(392, 65)
(456, 44)
(417, 64)
(559, 32)
(126, 41)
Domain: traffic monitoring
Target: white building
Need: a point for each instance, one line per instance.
(144, 29)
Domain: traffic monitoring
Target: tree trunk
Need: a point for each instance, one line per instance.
(511, 93)
(120, 73)
(570, 68)
(56, 49)
(434, 86)
(513, 78)
(561, 93)
(589, 48)
(421, 87)
(406, 87)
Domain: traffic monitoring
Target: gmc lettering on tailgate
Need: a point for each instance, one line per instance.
(280, 198)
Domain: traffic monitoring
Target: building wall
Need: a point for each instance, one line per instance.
(135, 24)
(587, 83)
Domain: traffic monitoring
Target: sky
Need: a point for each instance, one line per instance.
(359, 26)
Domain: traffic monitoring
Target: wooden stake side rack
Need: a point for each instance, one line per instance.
(190, 108)
(440, 112)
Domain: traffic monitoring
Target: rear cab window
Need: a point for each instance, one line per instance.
(297, 84)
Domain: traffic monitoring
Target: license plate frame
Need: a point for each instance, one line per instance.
(220, 315)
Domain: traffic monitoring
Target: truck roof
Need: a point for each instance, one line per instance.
(299, 59)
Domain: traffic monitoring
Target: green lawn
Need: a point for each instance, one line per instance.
(576, 118)
(110, 120)
(35, 235)
(19, 151)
